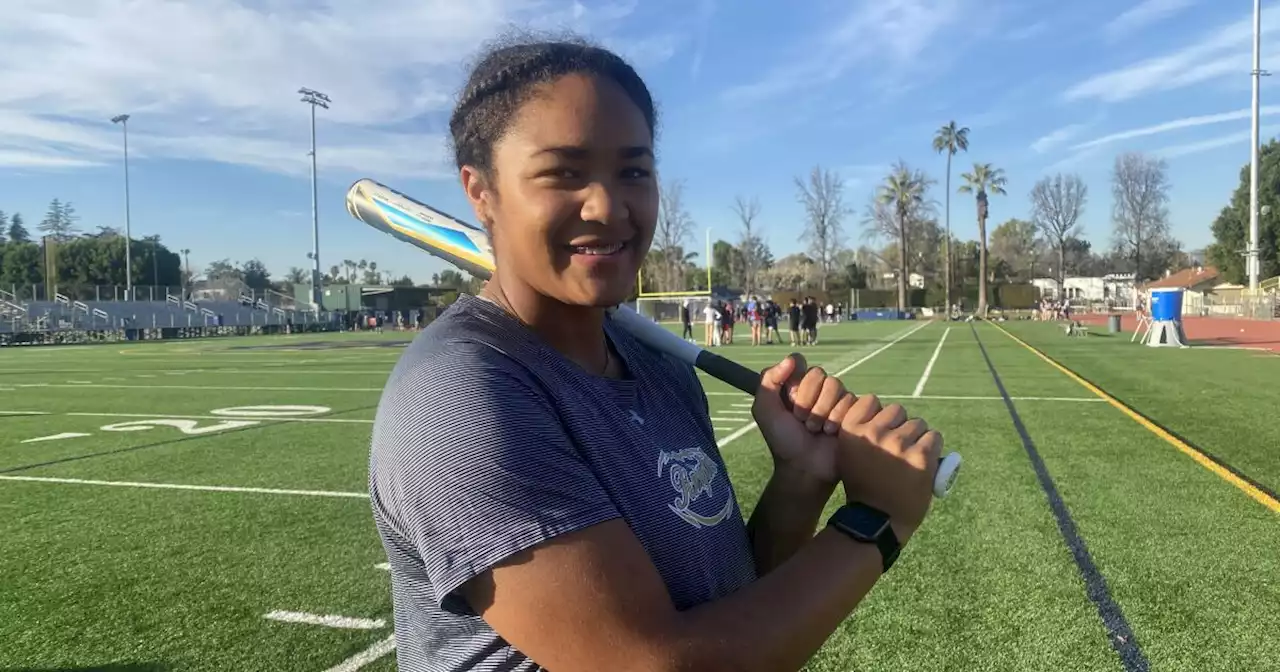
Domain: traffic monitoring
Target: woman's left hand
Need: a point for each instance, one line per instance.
(803, 440)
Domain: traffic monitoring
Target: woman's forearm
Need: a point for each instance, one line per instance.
(779, 622)
(785, 518)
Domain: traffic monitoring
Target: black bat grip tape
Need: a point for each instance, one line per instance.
(735, 374)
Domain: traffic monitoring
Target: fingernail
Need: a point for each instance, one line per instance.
(831, 427)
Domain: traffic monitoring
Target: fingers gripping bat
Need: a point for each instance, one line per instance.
(467, 248)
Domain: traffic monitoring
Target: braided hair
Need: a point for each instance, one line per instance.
(506, 76)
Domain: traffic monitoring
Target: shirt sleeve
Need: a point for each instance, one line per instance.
(472, 465)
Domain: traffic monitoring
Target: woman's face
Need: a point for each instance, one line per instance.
(576, 199)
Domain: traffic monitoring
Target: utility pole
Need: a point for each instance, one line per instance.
(123, 120)
(186, 273)
(314, 99)
(1251, 255)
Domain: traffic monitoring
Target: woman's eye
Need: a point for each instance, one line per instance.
(635, 173)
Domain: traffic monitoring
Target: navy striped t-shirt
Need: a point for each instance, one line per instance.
(488, 442)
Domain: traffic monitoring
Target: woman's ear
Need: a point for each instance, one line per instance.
(476, 187)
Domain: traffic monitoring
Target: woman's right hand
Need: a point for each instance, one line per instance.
(888, 461)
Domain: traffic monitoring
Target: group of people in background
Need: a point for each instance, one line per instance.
(719, 318)
(1052, 309)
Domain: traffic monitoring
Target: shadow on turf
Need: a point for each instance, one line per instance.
(123, 667)
(130, 449)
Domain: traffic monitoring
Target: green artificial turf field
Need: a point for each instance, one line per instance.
(201, 505)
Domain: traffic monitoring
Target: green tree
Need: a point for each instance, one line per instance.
(951, 139)
(1013, 245)
(22, 264)
(983, 180)
(17, 230)
(727, 265)
(1231, 228)
(4, 226)
(60, 221)
(255, 274)
(452, 279)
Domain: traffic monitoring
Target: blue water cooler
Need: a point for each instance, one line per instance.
(1166, 319)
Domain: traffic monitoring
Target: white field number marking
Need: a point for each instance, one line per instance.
(189, 427)
(56, 437)
(193, 428)
(287, 411)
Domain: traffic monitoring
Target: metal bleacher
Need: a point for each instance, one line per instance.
(64, 313)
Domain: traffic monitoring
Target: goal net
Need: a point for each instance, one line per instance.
(666, 309)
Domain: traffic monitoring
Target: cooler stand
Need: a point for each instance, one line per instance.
(1165, 330)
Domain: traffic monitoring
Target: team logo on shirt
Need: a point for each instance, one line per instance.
(693, 474)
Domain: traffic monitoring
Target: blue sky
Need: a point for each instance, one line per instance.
(752, 95)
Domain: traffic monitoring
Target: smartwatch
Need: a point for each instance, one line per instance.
(868, 525)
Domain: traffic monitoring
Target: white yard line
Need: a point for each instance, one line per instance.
(227, 416)
(328, 621)
(881, 349)
(205, 387)
(741, 431)
(924, 378)
(177, 486)
(963, 398)
(367, 656)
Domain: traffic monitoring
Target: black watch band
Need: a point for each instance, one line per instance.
(868, 525)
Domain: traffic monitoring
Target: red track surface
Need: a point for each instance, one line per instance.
(1263, 334)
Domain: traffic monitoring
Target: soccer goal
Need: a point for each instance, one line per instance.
(666, 309)
(665, 306)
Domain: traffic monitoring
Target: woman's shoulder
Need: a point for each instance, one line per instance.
(466, 350)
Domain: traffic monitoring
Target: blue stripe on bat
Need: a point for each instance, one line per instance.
(443, 234)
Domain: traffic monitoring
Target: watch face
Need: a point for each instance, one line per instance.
(864, 521)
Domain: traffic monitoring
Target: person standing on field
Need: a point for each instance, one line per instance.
(686, 321)
(548, 489)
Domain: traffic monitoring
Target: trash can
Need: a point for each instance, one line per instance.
(1113, 324)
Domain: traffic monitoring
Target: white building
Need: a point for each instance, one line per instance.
(1115, 289)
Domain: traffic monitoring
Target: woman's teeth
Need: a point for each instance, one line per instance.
(598, 249)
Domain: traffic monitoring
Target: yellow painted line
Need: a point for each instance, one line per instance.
(1203, 460)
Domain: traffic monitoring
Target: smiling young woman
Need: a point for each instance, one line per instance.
(548, 490)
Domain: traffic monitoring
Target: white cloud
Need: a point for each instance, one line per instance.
(1223, 52)
(1142, 15)
(1241, 139)
(216, 80)
(1178, 124)
(892, 33)
(1055, 138)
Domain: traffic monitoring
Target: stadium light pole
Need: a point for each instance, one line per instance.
(123, 120)
(314, 98)
(1251, 255)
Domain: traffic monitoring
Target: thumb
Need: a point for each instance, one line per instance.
(776, 380)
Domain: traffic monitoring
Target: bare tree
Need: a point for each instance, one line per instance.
(823, 201)
(1139, 212)
(750, 244)
(1056, 205)
(675, 227)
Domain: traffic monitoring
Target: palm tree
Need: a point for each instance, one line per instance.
(984, 179)
(951, 140)
(903, 191)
